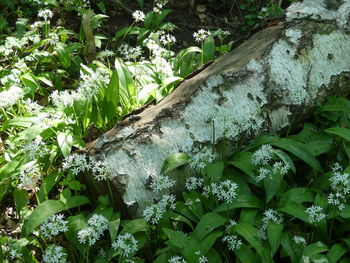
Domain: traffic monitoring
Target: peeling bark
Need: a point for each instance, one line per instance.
(282, 71)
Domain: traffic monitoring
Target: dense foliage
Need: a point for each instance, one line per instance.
(280, 199)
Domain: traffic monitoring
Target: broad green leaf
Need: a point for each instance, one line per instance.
(300, 150)
(297, 195)
(21, 199)
(245, 255)
(248, 215)
(274, 233)
(249, 201)
(126, 83)
(65, 142)
(76, 201)
(315, 248)
(214, 256)
(210, 240)
(250, 234)
(214, 170)
(176, 238)
(339, 131)
(243, 162)
(207, 224)
(335, 104)
(30, 82)
(266, 139)
(189, 252)
(287, 244)
(42, 212)
(336, 252)
(271, 186)
(208, 49)
(294, 209)
(75, 224)
(114, 225)
(136, 225)
(174, 161)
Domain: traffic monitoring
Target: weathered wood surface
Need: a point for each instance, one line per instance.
(283, 70)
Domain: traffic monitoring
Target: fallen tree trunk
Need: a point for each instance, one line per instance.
(282, 71)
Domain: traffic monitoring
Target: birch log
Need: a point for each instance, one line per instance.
(282, 71)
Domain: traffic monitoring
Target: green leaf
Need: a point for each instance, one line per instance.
(174, 161)
(76, 201)
(274, 233)
(271, 186)
(245, 254)
(243, 162)
(42, 212)
(266, 139)
(339, 131)
(287, 244)
(249, 201)
(294, 209)
(30, 82)
(176, 238)
(209, 241)
(63, 55)
(136, 225)
(21, 199)
(208, 49)
(189, 252)
(336, 252)
(214, 170)
(75, 224)
(335, 104)
(297, 195)
(300, 150)
(126, 83)
(114, 225)
(315, 248)
(250, 234)
(207, 224)
(65, 142)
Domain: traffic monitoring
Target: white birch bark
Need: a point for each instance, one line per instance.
(283, 70)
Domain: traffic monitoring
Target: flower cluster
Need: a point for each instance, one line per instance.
(46, 14)
(76, 163)
(155, 212)
(53, 226)
(201, 35)
(176, 259)
(263, 155)
(193, 183)
(54, 254)
(11, 96)
(36, 149)
(161, 183)
(202, 157)
(340, 187)
(278, 168)
(126, 243)
(225, 191)
(270, 216)
(130, 53)
(299, 240)
(29, 177)
(167, 39)
(138, 16)
(159, 4)
(232, 241)
(315, 214)
(97, 224)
